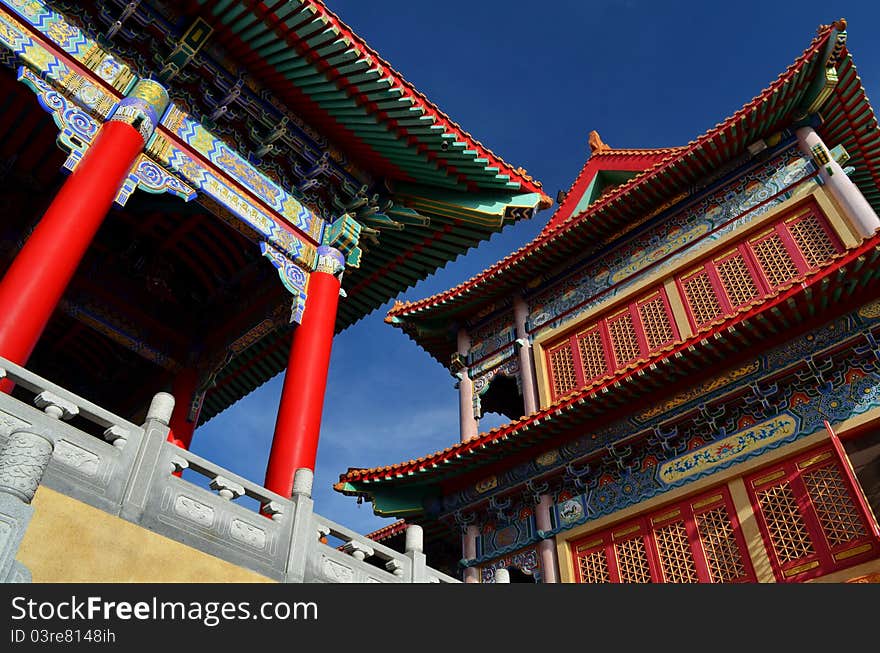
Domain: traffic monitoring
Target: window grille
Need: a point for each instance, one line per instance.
(697, 540)
(701, 298)
(656, 322)
(813, 240)
(624, 340)
(737, 280)
(674, 551)
(593, 567)
(775, 260)
(562, 372)
(632, 560)
(724, 556)
(809, 517)
(592, 352)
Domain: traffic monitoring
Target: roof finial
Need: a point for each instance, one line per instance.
(596, 143)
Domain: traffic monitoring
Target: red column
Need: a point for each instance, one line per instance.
(295, 443)
(184, 390)
(38, 276)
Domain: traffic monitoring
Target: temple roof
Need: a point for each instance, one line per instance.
(440, 191)
(848, 120)
(605, 169)
(341, 86)
(847, 282)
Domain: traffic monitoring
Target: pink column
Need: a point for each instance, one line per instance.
(546, 548)
(469, 425)
(469, 552)
(844, 190)
(526, 364)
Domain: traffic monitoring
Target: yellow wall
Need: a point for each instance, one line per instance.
(69, 541)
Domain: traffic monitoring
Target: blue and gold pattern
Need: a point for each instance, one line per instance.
(149, 176)
(202, 179)
(221, 155)
(97, 102)
(143, 107)
(293, 277)
(77, 128)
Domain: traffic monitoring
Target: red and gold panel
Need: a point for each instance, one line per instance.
(774, 258)
(737, 279)
(657, 321)
(562, 372)
(813, 238)
(809, 515)
(624, 339)
(591, 347)
(694, 541)
(701, 298)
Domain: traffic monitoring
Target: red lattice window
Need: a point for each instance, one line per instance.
(813, 238)
(613, 342)
(562, 372)
(591, 348)
(694, 541)
(657, 321)
(700, 297)
(757, 267)
(624, 339)
(774, 258)
(739, 283)
(809, 515)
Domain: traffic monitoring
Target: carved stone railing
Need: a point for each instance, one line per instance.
(86, 452)
(91, 467)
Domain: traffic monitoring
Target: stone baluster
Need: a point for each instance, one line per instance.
(55, 406)
(24, 457)
(146, 462)
(358, 550)
(226, 488)
(414, 547)
(304, 542)
(502, 576)
(117, 436)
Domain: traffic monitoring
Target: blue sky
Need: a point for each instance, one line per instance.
(529, 80)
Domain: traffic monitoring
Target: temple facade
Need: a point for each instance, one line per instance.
(198, 196)
(688, 355)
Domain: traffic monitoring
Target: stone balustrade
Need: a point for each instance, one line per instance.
(133, 472)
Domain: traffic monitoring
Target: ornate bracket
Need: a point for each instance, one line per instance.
(78, 129)
(343, 234)
(293, 277)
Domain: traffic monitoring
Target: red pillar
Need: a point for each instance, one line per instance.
(184, 390)
(295, 443)
(38, 276)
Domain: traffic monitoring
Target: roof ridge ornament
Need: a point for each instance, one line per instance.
(596, 143)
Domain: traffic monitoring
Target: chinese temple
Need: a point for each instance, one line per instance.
(197, 196)
(689, 357)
